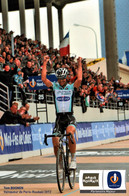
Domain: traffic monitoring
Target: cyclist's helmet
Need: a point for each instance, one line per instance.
(61, 73)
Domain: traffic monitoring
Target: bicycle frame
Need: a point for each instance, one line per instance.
(62, 161)
(61, 142)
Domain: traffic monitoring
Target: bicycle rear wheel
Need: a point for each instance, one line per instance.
(71, 173)
(60, 169)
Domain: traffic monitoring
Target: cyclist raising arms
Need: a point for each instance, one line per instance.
(63, 96)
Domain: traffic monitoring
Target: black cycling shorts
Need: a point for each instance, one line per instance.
(63, 121)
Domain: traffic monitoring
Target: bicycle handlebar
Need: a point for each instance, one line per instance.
(57, 135)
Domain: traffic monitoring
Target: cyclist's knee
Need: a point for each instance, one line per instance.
(70, 129)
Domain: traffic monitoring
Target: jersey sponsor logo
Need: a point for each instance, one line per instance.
(63, 98)
(64, 92)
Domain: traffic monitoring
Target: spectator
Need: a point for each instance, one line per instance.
(22, 112)
(28, 71)
(72, 75)
(11, 117)
(11, 63)
(18, 80)
(27, 106)
(92, 89)
(84, 93)
(26, 116)
(4, 55)
(2, 62)
(15, 103)
(6, 77)
(111, 95)
(100, 95)
(116, 85)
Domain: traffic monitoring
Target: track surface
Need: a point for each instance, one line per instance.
(37, 175)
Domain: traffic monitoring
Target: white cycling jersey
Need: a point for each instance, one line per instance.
(63, 97)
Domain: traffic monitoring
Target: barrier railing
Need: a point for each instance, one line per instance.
(4, 97)
(32, 96)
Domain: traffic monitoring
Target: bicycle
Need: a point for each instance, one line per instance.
(63, 161)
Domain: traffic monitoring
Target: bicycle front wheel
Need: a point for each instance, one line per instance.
(60, 169)
(71, 173)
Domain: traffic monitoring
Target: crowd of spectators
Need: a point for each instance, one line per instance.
(28, 60)
(16, 115)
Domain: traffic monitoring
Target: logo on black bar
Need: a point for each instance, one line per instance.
(90, 179)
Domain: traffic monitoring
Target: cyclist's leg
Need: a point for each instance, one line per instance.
(55, 141)
(71, 129)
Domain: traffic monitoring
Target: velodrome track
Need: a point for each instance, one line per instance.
(36, 175)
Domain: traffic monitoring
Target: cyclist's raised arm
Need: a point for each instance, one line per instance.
(79, 73)
(47, 82)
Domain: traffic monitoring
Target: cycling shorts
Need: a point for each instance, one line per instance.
(63, 121)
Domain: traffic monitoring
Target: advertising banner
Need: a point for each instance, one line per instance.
(35, 82)
(38, 132)
(123, 94)
(84, 132)
(127, 126)
(102, 131)
(121, 128)
(19, 138)
(15, 139)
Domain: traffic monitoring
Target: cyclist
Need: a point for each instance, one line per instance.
(63, 96)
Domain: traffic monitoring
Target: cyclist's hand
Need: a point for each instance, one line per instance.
(79, 59)
(46, 58)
